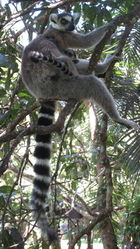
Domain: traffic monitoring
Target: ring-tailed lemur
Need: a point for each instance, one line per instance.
(49, 74)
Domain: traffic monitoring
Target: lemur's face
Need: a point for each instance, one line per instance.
(64, 21)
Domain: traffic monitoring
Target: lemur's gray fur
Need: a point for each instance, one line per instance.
(83, 64)
(49, 74)
(40, 78)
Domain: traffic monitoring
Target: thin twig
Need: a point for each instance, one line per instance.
(54, 178)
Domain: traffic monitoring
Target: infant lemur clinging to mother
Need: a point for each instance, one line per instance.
(48, 50)
(50, 75)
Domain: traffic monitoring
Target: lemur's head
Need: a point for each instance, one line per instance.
(64, 21)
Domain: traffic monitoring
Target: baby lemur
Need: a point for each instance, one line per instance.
(49, 74)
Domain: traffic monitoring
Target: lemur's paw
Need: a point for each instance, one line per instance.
(116, 58)
(35, 56)
(70, 53)
(111, 26)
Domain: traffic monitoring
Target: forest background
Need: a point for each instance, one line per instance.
(95, 161)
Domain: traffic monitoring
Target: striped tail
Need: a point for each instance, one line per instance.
(42, 176)
(36, 56)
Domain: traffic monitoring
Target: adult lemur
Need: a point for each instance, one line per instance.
(49, 74)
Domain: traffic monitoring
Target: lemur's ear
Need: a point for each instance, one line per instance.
(76, 17)
(53, 18)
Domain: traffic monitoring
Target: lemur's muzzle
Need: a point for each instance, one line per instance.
(71, 27)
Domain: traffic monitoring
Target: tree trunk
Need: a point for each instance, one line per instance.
(108, 235)
(89, 240)
(104, 195)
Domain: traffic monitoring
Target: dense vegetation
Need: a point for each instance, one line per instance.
(95, 162)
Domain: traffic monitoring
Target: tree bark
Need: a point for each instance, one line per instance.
(89, 240)
(104, 194)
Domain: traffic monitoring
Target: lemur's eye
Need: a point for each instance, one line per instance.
(64, 21)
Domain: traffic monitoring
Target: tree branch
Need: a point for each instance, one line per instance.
(88, 228)
(18, 135)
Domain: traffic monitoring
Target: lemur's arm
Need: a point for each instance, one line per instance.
(83, 41)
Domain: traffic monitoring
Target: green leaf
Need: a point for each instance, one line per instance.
(73, 185)
(23, 94)
(5, 189)
(77, 7)
(2, 92)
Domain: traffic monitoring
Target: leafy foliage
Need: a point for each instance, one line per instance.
(81, 170)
